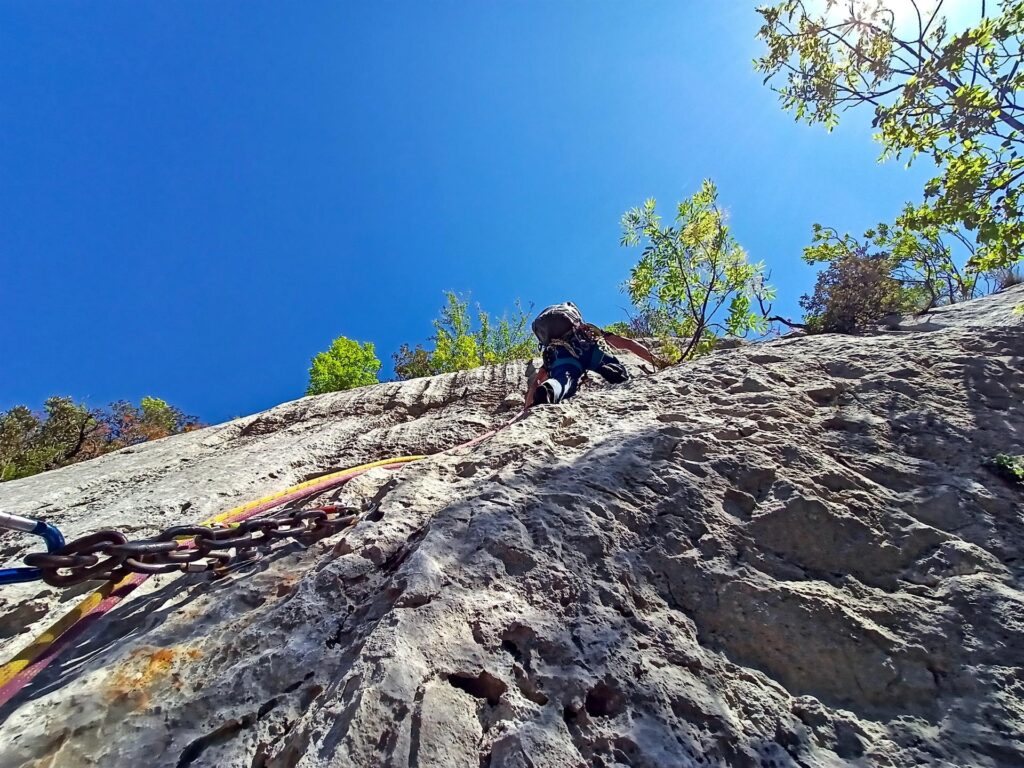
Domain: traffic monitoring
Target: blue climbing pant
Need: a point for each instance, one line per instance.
(565, 370)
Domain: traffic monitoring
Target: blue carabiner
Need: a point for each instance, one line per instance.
(50, 534)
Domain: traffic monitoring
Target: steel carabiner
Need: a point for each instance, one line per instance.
(49, 533)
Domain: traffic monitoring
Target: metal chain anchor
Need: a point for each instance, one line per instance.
(107, 554)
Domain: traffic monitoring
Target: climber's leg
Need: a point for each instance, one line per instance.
(562, 382)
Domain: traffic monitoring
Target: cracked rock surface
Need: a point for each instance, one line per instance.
(783, 554)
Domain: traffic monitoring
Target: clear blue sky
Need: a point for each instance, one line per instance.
(196, 197)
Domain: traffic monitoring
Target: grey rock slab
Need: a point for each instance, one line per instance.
(786, 553)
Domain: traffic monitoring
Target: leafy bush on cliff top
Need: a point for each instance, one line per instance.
(459, 344)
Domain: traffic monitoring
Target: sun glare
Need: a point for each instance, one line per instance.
(958, 13)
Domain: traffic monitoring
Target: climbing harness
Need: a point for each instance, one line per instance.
(49, 533)
(126, 564)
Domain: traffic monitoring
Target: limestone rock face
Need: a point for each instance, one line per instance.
(784, 554)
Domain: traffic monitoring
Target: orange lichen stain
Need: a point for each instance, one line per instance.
(132, 680)
(286, 585)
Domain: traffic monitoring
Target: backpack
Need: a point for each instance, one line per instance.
(557, 322)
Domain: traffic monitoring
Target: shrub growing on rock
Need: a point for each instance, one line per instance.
(855, 291)
(1008, 467)
(892, 268)
(460, 345)
(639, 326)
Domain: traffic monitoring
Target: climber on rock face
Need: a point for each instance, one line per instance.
(570, 348)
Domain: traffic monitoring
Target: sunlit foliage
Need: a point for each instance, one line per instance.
(948, 94)
(693, 281)
(345, 365)
(67, 432)
(459, 344)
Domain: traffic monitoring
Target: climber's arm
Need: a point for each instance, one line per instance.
(618, 342)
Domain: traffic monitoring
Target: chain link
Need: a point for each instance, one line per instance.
(108, 554)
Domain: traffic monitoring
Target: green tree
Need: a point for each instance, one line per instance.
(950, 95)
(693, 280)
(70, 432)
(67, 432)
(456, 346)
(507, 339)
(345, 365)
(460, 345)
(19, 427)
(160, 416)
(128, 424)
